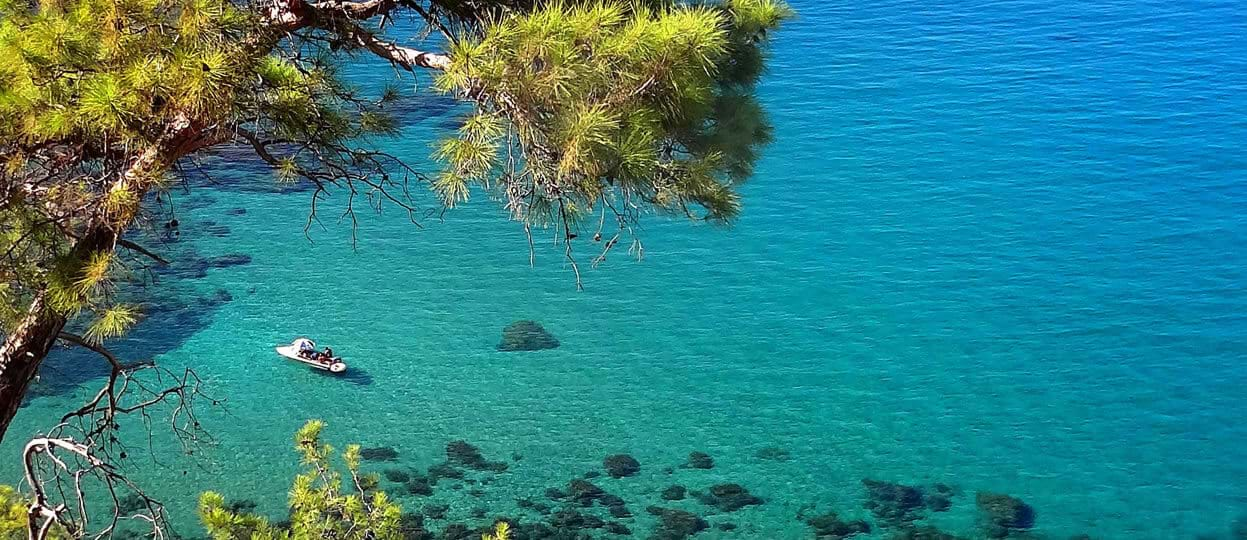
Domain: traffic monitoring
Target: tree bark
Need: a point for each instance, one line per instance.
(22, 354)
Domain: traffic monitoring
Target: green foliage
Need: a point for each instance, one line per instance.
(13, 516)
(105, 69)
(325, 504)
(611, 102)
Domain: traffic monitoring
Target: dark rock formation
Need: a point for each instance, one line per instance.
(939, 498)
(458, 531)
(621, 465)
(583, 492)
(728, 497)
(444, 470)
(464, 454)
(397, 476)
(436, 511)
(379, 453)
(411, 527)
(419, 486)
(616, 527)
(726, 526)
(894, 504)
(619, 511)
(526, 336)
(699, 460)
(555, 493)
(571, 519)
(676, 524)
(236, 212)
(673, 493)
(829, 526)
(1003, 514)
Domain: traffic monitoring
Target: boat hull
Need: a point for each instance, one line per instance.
(292, 353)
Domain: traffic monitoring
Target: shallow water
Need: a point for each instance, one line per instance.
(995, 245)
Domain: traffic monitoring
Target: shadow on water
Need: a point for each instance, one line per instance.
(166, 326)
(354, 376)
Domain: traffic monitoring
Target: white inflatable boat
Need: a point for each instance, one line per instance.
(304, 350)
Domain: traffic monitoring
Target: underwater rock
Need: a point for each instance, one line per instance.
(555, 493)
(619, 511)
(444, 470)
(894, 504)
(130, 504)
(476, 492)
(829, 526)
(583, 492)
(436, 511)
(939, 498)
(616, 527)
(676, 524)
(379, 453)
(621, 465)
(411, 527)
(728, 497)
(673, 493)
(526, 336)
(397, 476)
(938, 502)
(699, 460)
(608, 499)
(226, 261)
(465, 454)
(458, 531)
(220, 296)
(773, 453)
(571, 519)
(1003, 514)
(419, 486)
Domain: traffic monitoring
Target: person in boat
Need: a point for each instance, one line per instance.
(307, 349)
(327, 356)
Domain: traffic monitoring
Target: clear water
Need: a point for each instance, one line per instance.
(999, 245)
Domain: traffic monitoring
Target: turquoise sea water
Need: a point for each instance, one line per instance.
(997, 245)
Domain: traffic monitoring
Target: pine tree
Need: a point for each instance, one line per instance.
(325, 504)
(610, 108)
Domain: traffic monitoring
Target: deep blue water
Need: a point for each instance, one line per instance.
(997, 245)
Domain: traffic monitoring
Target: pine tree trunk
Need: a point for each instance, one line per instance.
(22, 353)
(25, 348)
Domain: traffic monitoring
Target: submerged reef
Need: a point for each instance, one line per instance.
(584, 510)
(465, 454)
(674, 524)
(893, 504)
(728, 497)
(699, 460)
(621, 465)
(378, 453)
(526, 336)
(829, 526)
(1003, 514)
(673, 493)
